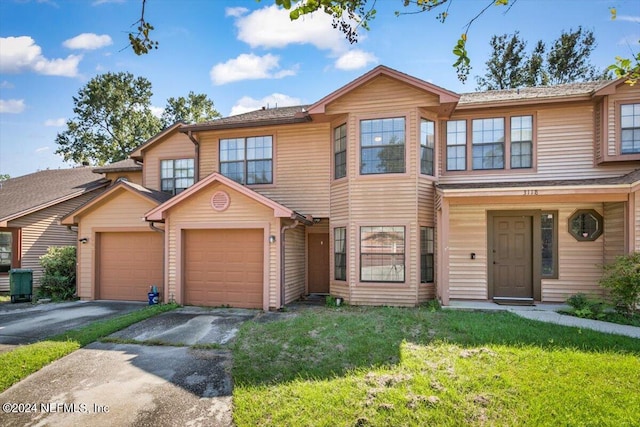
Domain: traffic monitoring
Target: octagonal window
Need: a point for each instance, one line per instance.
(586, 225)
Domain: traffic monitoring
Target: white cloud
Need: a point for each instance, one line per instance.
(271, 27)
(88, 41)
(355, 59)
(631, 40)
(634, 19)
(55, 122)
(157, 111)
(18, 54)
(235, 11)
(42, 150)
(249, 67)
(246, 103)
(6, 85)
(99, 2)
(12, 106)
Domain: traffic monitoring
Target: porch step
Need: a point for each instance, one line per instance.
(513, 301)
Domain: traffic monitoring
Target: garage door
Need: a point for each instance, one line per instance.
(223, 267)
(128, 264)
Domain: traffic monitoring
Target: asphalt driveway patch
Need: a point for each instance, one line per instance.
(189, 326)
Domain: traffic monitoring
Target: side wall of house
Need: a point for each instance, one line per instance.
(175, 146)
(637, 220)
(295, 263)
(123, 211)
(302, 158)
(196, 213)
(40, 230)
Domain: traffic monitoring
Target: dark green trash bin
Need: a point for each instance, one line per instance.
(20, 284)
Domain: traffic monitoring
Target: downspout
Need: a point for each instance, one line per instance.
(197, 162)
(282, 254)
(160, 230)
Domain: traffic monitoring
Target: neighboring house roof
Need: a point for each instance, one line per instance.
(157, 197)
(30, 193)
(262, 117)
(159, 213)
(126, 165)
(564, 92)
(628, 179)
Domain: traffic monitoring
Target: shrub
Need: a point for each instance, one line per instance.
(58, 281)
(622, 278)
(587, 307)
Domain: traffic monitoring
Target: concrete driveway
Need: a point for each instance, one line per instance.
(123, 383)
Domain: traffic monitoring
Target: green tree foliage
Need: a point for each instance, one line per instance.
(112, 117)
(567, 61)
(59, 276)
(4, 176)
(195, 108)
(622, 278)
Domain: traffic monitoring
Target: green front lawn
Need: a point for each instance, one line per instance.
(391, 366)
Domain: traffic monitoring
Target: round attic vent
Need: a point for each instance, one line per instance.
(220, 201)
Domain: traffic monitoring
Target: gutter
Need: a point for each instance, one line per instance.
(196, 172)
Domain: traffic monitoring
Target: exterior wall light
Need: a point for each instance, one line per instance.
(83, 240)
(272, 239)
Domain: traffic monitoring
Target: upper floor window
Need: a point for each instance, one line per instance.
(427, 141)
(247, 160)
(521, 142)
(382, 146)
(456, 145)
(382, 254)
(488, 143)
(630, 128)
(491, 145)
(176, 175)
(9, 256)
(340, 151)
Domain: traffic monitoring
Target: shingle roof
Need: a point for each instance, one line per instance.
(158, 196)
(630, 178)
(29, 193)
(532, 93)
(262, 117)
(126, 165)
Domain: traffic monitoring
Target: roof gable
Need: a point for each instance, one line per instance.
(444, 96)
(33, 192)
(154, 197)
(160, 212)
(137, 154)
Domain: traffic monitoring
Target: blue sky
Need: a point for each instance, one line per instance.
(245, 54)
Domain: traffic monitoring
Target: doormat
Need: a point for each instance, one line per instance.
(519, 302)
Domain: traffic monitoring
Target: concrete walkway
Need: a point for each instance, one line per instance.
(548, 313)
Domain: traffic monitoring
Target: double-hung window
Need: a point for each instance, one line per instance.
(176, 175)
(456, 145)
(521, 142)
(382, 254)
(9, 257)
(630, 128)
(427, 142)
(340, 151)
(340, 253)
(488, 143)
(247, 160)
(382, 146)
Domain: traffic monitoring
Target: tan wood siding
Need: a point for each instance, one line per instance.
(40, 230)
(302, 164)
(339, 201)
(295, 266)
(637, 220)
(175, 146)
(121, 211)
(426, 202)
(196, 212)
(382, 94)
(614, 233)
(564, 147)
(579, 262)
